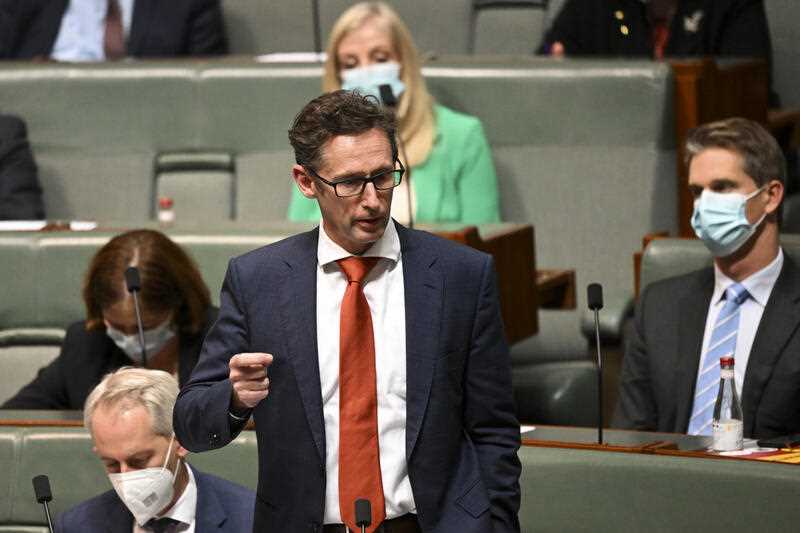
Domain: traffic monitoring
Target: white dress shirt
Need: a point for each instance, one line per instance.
(184, 509)
(83, 27)
(759, 285)
(385, 295)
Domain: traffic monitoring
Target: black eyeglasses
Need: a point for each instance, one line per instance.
(388, 179)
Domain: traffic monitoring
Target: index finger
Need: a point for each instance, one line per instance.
(251, 359)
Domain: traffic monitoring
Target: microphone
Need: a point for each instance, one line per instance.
(594, 297)
(41, 487)
(134, 284)
(390, 100)
(363, 514)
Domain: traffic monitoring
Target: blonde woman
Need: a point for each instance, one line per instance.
(453, 177)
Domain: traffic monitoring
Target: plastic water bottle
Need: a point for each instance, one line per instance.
(727, 425)
(166, 212)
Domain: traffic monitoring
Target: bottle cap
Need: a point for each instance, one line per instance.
(165, 202)
(726, 361)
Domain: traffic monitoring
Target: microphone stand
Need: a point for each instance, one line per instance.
(317, 29)
(134, 284)
(599, 377)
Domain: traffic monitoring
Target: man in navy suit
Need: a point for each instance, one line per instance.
(129, 415)
(425, 427)
(90, 30)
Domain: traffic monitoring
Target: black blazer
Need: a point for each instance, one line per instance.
(28, 28)
(660, 367)
(700, 27)
(20, 192)
(87, 356)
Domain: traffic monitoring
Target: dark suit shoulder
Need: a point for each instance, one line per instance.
(677, 285)
(285, 249)
(93, 515)
(11, 127)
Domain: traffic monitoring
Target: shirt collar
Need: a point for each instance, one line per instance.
(759, 284)
(185, 508)
(388, 246)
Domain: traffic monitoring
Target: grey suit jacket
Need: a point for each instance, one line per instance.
(662, 357)
(461, 432)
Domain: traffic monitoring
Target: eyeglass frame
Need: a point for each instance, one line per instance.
(364, 181)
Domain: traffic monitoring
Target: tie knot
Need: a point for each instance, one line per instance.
(737, 293)
(162, 525)
(356, 268)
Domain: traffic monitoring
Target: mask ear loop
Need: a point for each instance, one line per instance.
(750, 197)
(166, 459)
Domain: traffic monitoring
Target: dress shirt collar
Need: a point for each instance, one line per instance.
(759, 285)
(185, 508)
(388, 246)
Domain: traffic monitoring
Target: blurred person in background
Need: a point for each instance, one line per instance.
(102, 30)
(659, 28)
(176, 313)
(452, 176)
(20, 192)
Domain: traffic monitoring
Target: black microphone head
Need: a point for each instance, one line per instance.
(132, 280)
(41, 486)
(387, 95)
(363, 513)
(594, 296)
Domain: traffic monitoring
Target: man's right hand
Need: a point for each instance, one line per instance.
(248, 375)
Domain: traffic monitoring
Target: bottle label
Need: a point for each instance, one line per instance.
(728, 435)
(726, 373)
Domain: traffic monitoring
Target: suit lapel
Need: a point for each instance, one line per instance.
(210, 514)
(117, 518)
(141, 21)
(298, 299)
(693, 310)
(423, 299)
(778, 323)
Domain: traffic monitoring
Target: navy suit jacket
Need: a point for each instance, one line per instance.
(29, 28)
(222, 507)
(461, 432)
(659, 371)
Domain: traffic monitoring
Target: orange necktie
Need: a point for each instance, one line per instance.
(114, 37)
(359, 457)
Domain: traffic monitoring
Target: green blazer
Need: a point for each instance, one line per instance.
(457, 183)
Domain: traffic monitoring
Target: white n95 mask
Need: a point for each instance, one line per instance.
(154, 340)
(147, 491)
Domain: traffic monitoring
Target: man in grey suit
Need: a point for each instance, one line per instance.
(389, 375)
(747, 305)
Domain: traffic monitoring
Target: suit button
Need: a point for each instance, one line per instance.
(214, 438)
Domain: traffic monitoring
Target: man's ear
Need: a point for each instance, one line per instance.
(775, 191)
(304, 181)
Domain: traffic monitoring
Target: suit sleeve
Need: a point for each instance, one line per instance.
(567, 28)
(200, 417)
(489, 416)
(636, 406)
(745, 32)
(20, 193)
(207, 30)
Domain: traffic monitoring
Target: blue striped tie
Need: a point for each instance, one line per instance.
(722, 344)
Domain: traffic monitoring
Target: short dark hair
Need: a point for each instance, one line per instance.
(762, 158)
(170, 280)
(336, 113)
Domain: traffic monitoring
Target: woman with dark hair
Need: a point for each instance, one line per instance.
(175, 308)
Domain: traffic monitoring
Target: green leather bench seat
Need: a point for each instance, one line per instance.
(562, 489)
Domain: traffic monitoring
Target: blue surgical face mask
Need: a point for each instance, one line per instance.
(720, 221)
(369, 79)
(154, 340)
